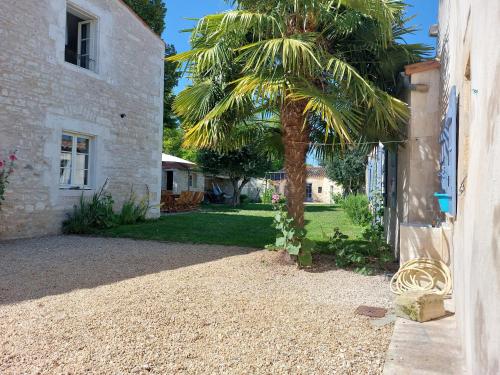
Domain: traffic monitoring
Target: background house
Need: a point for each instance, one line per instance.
(180, 175)
(319, 188)
(81, 100)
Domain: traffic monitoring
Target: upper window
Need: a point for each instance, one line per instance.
(320, 190)
(81, 39)
(75, 158)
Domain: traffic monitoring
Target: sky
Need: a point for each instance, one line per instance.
(177, 13)
(179, 10)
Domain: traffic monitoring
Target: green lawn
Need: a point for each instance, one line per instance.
(248, 226)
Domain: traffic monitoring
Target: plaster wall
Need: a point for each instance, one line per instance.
(422, 151)
(468, 49)
(327, 188)
(424, 242)
(41, 95)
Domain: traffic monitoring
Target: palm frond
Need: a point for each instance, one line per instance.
(294, 53)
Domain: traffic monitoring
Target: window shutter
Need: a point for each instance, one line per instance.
(448, 162)
(376, 170)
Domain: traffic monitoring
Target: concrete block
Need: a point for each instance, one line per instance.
(419, 306)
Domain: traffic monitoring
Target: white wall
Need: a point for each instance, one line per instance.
(470, 30)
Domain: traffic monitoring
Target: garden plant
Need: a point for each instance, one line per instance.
(6, 170)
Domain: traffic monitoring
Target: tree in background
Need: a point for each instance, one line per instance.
(170, 80)
(239, 165)
(172, 144)
(348, 169)
(153, 12)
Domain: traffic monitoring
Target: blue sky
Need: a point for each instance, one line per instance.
(179, 10)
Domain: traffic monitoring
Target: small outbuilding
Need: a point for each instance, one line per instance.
(180, 175)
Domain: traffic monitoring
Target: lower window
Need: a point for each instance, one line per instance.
(75, 161)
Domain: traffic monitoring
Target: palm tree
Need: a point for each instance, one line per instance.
(318, 65)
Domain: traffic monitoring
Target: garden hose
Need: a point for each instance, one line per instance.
(422, 274)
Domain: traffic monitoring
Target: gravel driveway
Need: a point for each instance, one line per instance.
(78, 305)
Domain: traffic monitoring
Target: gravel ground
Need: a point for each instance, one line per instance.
(73, 305)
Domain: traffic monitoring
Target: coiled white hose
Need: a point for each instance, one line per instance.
(422, 274)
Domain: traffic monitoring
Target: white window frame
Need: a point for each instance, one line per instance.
(93, 39)
(90, 45)
(193, 183)
(90, 169)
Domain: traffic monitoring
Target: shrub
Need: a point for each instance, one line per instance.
(244, 198)
(6, 169)
(91, 214)
(357, 208)
(366, 256)
(133, 212)
(337, 198)
(289, 237)
(267, 196)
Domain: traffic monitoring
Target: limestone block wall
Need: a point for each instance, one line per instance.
(41, 96)
(419, 158)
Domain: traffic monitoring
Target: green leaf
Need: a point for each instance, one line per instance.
(280, 242)
(308, 245)
(305, 259)
(293, 249)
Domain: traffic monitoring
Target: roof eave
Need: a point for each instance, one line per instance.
(422, 67)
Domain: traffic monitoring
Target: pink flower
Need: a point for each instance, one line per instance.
(2, 163)
(12, 157)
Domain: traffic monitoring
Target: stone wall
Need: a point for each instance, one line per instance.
(41, 95)
(422, 151)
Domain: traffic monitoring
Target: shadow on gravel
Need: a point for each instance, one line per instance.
(35, 268)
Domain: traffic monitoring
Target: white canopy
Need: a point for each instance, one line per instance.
(174, 159)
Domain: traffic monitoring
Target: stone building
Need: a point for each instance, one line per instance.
(81, 97)
(181, 175)
(453, 153)
(319, 188)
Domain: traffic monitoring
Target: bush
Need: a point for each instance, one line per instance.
(337, 198)
(244, 198)
(290, 238)
(133, 212)
(96, 213)
(91, 214)
(357, 208)
(366, 257)
(267, 196)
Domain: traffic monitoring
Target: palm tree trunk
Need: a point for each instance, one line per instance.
(296, 142)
